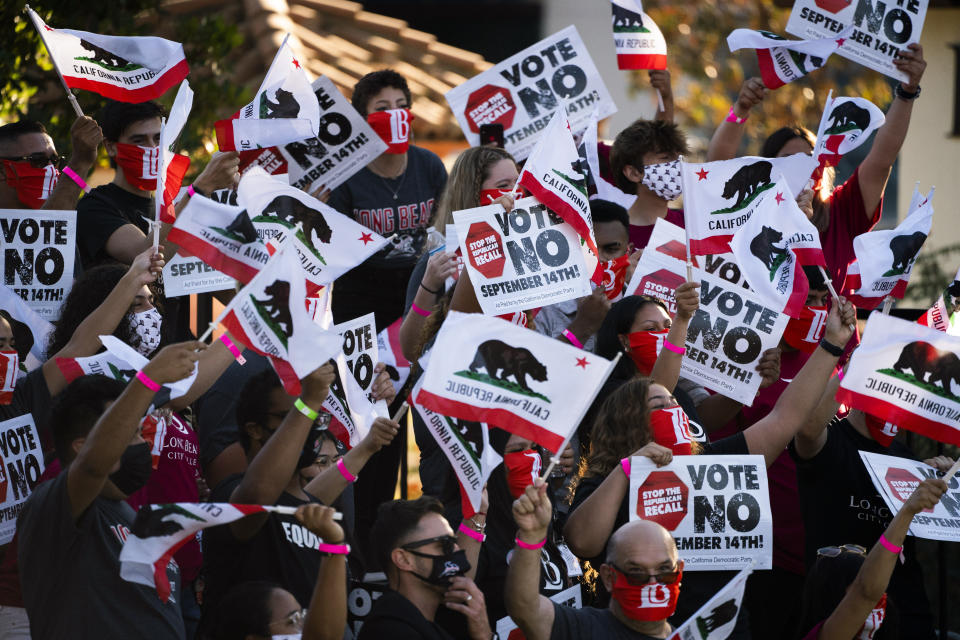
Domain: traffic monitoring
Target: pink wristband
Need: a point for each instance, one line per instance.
(341, 549)
(147, 382)
(67, 171)
(625, 465)
(734, 118)
(572, 338)
(476, 535)
(419, 310)
(228, 343)
(191, 191)
(532, 547)
(349, 477)
(669, 346)
(889, 546)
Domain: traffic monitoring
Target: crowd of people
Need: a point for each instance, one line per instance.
(237, 437)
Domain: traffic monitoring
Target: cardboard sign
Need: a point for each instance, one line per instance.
(38, 249)
(716, 507)
(524, 259)
(523, 91)
(361, 353)
(507, 630)
(344, 144)
(881, 29)
(184, 275)
(897, 478)
(21, 465)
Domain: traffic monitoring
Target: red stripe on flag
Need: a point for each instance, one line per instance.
(154, 90)
(502, 418)
(70, 369)
(711, 245)
(291, 383)
(571, 216)
(899, 416)
(220, 261)
(225, 141)
(393, 333)
(656, 61)
(248, 509)
(767, 70)
(810, 256)
(171, 186)
(798, 297)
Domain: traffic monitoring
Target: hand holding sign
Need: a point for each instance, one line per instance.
(910, 61)
(382, 388)
(316, 385)
(769, 367)
(660, 454)
(925, 496)
(840, 322)
(440, 266)
(532, 513)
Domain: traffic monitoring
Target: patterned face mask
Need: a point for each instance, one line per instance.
(663, 179)
(146, 324)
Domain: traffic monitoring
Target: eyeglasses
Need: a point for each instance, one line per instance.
(38, 160)
(638, 579)
(833, 552)
(448, 544)
(295, 620)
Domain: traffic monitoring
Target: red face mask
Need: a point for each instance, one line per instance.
(880, 430)
(648, 602)
(523, 467)
(33, 185)
(874, 620)
(671, 428)
(804, 333)
(614, 272)
(644, 348)
(140, 165)
(393, 127)
(9, 368)
(489, 196)
(518, 318)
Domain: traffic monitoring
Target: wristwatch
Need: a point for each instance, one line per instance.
(903, 94)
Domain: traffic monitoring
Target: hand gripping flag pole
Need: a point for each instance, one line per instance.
(36, 25)
(833, 292)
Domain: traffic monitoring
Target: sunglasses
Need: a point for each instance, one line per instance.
(294, 620)
(38, 160)
(833, 552)
(639, 579)
(448, 544)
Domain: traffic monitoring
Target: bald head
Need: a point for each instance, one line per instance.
(641, 542)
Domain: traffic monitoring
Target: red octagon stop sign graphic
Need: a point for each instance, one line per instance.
(833, 6)
(902, 483)
(485, 250)
(661, 284)
(663, 498)
(490, 104)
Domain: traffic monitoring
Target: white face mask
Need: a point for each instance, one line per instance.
(146, 324)
(663, 179)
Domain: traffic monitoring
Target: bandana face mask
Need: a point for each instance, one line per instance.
(146, 324)
(140, 165)
(34, 185)
(489, 196)
(880, 430)
(614, 273)
(393, 127)
(523, 467)
(663, 179)
(644, 348)
(9, 367)
(671, 428)
(648, 602)
(804, 333)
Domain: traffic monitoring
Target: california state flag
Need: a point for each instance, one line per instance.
(942, 316)
(845, 125)
(639, 43)
(270, 316)
(555, 174)
(283, 110)
(781, 60)
(906, 374)
(488, 370)
(885, 258)
(771, 247)
(173, 166)
(128, 69)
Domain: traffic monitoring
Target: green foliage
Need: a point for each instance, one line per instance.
(929, 277)
(30, 89)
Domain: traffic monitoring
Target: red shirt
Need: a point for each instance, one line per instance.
(847, 221)
(640, 233)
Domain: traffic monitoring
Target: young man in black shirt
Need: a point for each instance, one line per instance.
(426, 566)
(841, 505)
(72, 528)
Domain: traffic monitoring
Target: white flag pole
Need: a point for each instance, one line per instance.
(586, 407)
(887, 304)
(289, 511)
(953, 470)
(833, 292)
(660, 102)
(37, 24)
(683, 188)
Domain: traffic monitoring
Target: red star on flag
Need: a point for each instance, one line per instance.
(702, 174)
(780, 197)
(840, 41)
(582, 363)
(296, 63)
(366, 238)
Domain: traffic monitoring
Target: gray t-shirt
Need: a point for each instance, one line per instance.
(399, 209)
(589, 622)
(552, 319)
(70, 572)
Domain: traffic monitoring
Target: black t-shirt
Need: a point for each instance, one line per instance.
(283, 551)
(588, 623)
(841, 505)
(395, 617)
(103, 211)
(70, 572)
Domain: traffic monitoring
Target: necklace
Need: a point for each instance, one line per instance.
(402, 176)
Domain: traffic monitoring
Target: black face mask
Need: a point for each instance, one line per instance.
(136, 464)
(445, 567)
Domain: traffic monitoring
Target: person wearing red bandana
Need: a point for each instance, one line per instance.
(840, 503)
(395, 195)
(113, 220)
(30, 173)
(642, 570)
